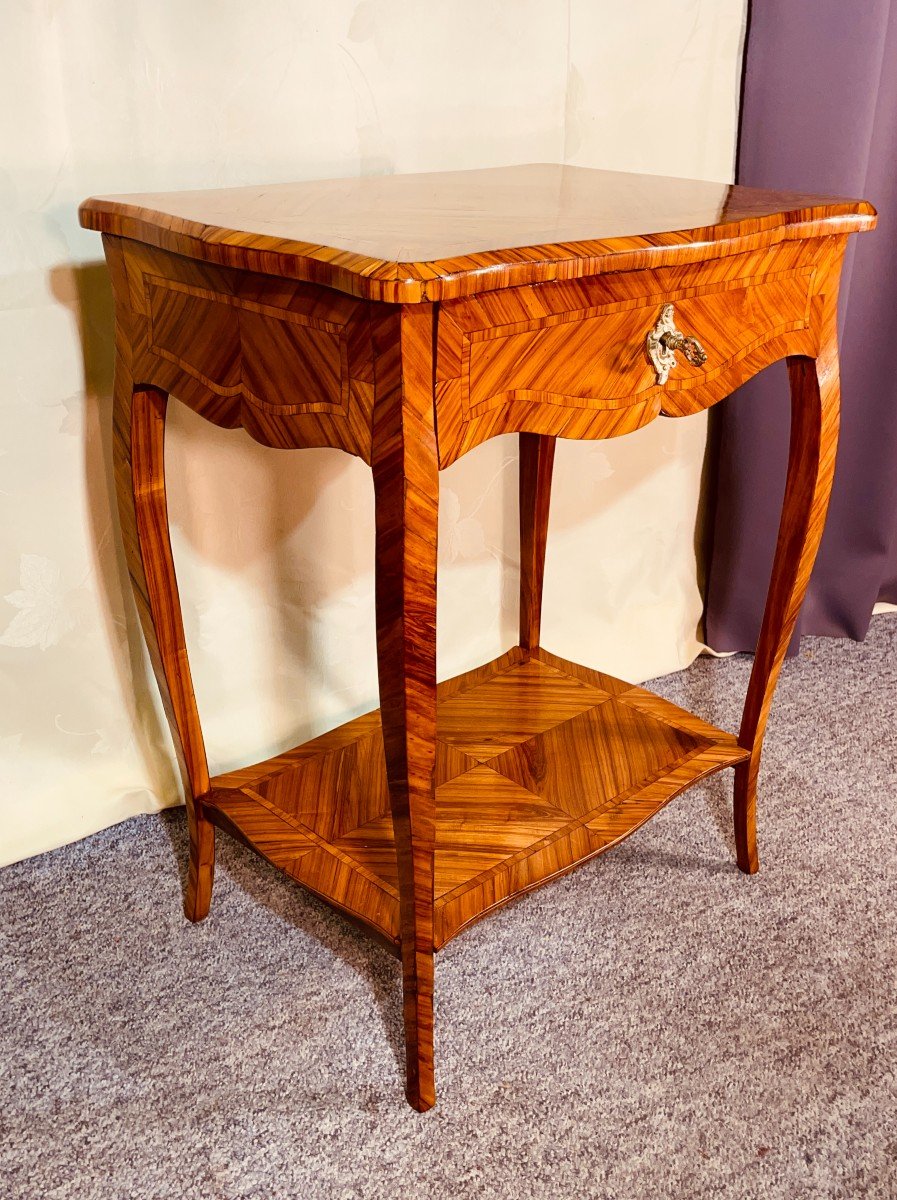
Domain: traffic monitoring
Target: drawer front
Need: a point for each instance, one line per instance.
(572, 359)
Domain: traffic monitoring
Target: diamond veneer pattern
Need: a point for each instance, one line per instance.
(511, 707)
(352, 778)
(562, 760)
(586, 761)
(470, 838)
(537, 767)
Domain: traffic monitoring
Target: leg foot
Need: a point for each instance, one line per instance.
(201, 871)
(420, 1085)
(746, 818)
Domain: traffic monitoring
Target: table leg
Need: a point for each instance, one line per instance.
(815, 407)
(138, 454)
(406, 489)
(536, 464)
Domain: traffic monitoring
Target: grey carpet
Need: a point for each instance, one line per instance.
(654, 1025)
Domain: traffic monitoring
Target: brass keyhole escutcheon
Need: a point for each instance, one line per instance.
(664, 340)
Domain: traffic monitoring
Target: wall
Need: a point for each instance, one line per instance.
(274, 550)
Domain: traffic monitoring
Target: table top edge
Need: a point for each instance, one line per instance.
(374, 278)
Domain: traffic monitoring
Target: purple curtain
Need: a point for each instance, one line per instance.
(819, 113)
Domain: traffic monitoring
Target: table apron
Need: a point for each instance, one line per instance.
(293, 363)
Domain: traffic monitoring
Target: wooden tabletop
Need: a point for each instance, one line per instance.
(409, 238)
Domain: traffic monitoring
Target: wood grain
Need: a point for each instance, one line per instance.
(291, 363)
(412, 238)
(815, 415)
(406, 503)
(536, 467)
(406, 320)
(540, 765)
(569, 359)
(139, 467)
(294, 364)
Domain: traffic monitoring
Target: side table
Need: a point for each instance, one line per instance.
(406, 319)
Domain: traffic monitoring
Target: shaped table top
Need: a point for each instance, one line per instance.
(411, 238)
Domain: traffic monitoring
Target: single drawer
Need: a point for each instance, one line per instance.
(598, 356)
(568, 349)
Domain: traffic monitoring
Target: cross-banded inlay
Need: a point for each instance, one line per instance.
(540, 764)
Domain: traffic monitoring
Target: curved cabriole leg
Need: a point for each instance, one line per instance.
(406, 489)
(138, 450)
(815, 406)
(536, 464)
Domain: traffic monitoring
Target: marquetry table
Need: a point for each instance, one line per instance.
(406, 319)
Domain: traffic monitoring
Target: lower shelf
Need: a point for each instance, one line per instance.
(541, 764)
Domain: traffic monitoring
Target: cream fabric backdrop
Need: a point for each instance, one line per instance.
(275, 550)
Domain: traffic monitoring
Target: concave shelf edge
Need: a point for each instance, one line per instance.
(542, 764)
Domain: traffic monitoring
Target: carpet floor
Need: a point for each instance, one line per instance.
(654, 1025)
